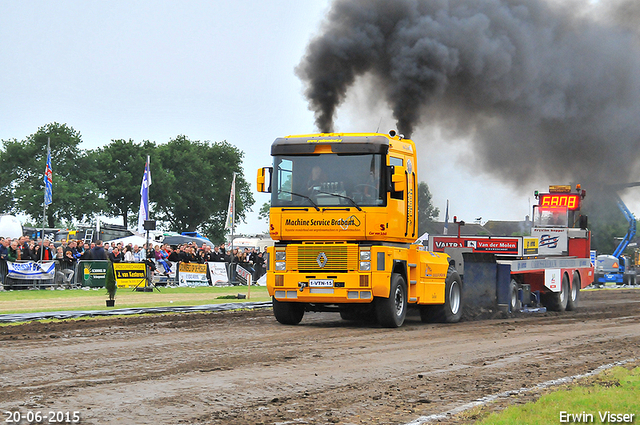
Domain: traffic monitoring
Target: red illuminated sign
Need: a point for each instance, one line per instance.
(569, 200)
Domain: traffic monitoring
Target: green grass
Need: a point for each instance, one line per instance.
(26, 301)
(616, 390)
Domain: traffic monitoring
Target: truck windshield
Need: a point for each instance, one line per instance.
(328, 180)
(550, 216)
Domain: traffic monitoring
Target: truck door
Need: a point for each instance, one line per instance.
(402, 203)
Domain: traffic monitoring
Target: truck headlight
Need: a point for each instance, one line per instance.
(365, 255)
(281, 266)
(281, 255)
(365, 266)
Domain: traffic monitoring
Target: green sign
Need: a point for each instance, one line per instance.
(92, 273)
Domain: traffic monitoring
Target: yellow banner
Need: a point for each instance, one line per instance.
(530, 246)
(193, 268)
(130, 275)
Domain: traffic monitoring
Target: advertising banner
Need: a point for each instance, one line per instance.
(218, 273)
(130, 275)
(485, 244)
(31, 270)
(552, 241)
(192, 274)
(244, 273)
(92, 273)
(328, 224)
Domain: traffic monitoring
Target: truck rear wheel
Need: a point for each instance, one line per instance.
(451, 310)
(288, 313)
(513, 296)
(557, 301)
(574, 294)
(392, 311)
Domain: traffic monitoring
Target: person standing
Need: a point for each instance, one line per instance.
(14, 253)
(128, 255)
(98, 252)
(86, 254)
(115, 256)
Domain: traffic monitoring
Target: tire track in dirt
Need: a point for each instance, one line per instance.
(243, 367)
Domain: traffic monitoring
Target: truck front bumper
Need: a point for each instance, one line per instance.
(328, 288)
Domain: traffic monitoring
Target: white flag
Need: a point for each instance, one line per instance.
(231, 211)
(143, 214)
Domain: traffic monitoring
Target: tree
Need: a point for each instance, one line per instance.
(426, 211)
(121, 166)
(192, 183)
(75, 195)
(263, 214)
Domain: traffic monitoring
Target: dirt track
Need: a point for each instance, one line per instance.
(245, 368)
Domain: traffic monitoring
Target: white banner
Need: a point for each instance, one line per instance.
(32, 270)
(192, 274)
(218, 274)
(552, 241)
(244, 273)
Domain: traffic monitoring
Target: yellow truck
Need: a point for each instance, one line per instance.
(343, 218)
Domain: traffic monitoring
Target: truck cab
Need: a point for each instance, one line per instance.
(343, 218)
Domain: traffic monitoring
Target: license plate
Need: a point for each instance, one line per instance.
(322, 283)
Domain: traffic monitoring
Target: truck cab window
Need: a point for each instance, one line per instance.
(329, 180)
(397, 162)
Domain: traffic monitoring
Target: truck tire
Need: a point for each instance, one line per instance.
(557, 301)
(514, 302)
(451, 310)
(288, 313)
(392, 311)
(574, 294)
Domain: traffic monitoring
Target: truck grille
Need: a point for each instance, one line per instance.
(336, 258)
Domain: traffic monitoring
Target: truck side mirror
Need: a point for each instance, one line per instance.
(398, 178)
(264, 182)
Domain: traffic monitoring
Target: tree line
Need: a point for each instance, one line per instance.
(191, 180)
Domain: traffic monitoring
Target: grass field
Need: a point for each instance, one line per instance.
(613, 392)
(29, 301)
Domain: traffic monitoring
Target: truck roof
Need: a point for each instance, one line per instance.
(340, 143)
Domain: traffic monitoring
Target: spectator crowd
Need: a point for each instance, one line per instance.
(160, 258)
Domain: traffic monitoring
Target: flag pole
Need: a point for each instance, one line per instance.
(48, 182)
(149, 282)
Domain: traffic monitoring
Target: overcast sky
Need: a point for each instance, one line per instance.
(217, 70)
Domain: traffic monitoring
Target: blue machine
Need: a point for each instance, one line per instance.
(615, 268)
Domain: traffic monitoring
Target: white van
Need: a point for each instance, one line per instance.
(257, 243)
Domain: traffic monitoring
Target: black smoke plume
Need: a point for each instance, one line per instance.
(541, 88)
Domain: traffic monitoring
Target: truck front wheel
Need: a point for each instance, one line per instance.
(288, 313)
(392, 311)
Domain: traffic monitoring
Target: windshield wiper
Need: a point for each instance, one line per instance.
(341, 196)
(302, 196)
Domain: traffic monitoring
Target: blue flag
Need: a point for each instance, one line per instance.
(48, 179)
(144, 197)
